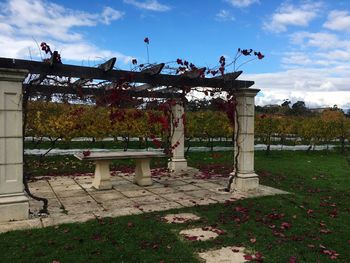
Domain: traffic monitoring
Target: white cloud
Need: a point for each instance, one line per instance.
(322, 49)
(22, 21)
(296, 58)
(224, 15)
(321, 40)
(152, 5)
(38, 18)
(242, 3)
(338, 20)
(109, 14)
(317, 87)
(290, 15)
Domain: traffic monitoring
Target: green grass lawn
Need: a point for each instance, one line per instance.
(309, 225)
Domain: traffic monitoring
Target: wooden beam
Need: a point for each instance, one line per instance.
(230, 76)
(153, 70)
(108, 65)
(36, 67)
(53, 89)
(142, 87)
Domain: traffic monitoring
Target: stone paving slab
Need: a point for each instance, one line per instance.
(199, 234)
(64, 219)
(72, 199)
(118, 211)
(104, 196)
(120, 203)
(224, 255)
(159, 207)
(136, 193)
(19, 225)
(180, 218)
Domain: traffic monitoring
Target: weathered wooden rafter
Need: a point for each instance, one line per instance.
(35, 67)
(54, 89)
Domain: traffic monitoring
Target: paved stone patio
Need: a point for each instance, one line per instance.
(71, 198)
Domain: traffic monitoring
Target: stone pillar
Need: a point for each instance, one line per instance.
(246, 179)
(178, 162)
(14, 203)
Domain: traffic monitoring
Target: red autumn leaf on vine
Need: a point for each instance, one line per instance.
(179, 61)
(157, 143)
(222, 70)
(222, 60)
(146, 40)
(260, 56)
(214, 72)
(246, 52)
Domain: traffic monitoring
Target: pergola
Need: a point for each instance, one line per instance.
(14, 203)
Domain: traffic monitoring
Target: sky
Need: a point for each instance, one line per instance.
(306, 43)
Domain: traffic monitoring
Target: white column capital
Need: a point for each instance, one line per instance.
(246, 92)
(14, 75)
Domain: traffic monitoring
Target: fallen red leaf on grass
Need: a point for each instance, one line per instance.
(191, 238)
(286, 225)
(252, 240)
(292, 259)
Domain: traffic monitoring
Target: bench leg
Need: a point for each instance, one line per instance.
(102, 179)
(143, 172)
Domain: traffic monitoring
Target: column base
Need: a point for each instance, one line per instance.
(14, 207)
(146, 181)
(102, 185)
(246, 182)
(177, 165)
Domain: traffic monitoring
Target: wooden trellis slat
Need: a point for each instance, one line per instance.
(54, 89)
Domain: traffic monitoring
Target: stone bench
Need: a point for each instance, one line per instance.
(102, 179)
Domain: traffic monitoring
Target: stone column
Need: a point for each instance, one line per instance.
(178, 162)
(246, 179)
(14, 203)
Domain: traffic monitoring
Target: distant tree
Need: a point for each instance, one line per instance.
(286, 103)
(300, 109)
(348, 113)
(285, 108)
(260, 109)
